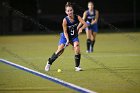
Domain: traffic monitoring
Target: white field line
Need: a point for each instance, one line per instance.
(53, 79)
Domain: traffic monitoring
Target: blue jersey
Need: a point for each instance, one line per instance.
(90, 16)
(89, 19)
(72, 27)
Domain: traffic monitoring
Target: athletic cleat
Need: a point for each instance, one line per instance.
(87, 51)
(91, 49)
(47, 67)
(78, 69)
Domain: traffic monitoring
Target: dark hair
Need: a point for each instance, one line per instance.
(68, 4)
(91, 2)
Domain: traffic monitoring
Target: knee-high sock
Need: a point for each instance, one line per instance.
(52, 59)
(77, 60)
(92, 44)
(88, 44)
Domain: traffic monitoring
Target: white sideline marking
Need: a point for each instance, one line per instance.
(53, 79)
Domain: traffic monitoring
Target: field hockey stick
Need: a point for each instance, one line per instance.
(62, 50)
(65, 45)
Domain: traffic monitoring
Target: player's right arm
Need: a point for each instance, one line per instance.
(84, 15)
(64, 25)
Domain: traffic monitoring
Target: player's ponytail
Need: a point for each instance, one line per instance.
(68, 4)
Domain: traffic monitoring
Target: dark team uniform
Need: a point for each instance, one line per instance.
(89, 19)
(71, 30)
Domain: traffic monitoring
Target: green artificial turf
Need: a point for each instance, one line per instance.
(114, 67)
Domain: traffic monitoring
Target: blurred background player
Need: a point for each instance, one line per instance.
(69, 36)
(91, 17)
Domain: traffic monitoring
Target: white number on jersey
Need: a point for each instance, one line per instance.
(72, 31)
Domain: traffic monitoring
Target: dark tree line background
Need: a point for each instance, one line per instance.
(120, 13)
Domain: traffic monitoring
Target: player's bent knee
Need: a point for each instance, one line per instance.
(77, 50)
(76, 45)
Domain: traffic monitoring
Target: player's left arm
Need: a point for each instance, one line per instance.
(84, 24)
(96, 18)
(84, 18)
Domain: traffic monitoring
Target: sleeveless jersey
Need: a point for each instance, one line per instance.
(72, 27)
(90, 16)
